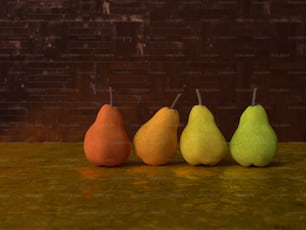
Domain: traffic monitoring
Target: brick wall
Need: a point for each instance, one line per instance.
(58, 58)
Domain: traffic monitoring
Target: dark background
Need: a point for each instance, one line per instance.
(58, 58)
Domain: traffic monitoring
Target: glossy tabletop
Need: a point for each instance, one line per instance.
(53, 186)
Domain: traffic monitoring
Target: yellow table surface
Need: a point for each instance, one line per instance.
(53, 186)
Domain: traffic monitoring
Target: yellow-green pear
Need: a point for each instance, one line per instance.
(254, 141)
(155, 142)
(201, 141)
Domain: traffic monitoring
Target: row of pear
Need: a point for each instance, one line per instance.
(253, 143)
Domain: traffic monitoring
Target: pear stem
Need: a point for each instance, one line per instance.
(175, 100)
(199, 96)
(254, 96)
(110, 96)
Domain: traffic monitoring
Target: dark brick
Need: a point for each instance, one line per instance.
(52, 52)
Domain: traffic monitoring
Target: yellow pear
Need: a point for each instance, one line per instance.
(201, 141)
(155, 142)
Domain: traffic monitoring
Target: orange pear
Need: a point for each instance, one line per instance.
(155, 142)
(106, 142)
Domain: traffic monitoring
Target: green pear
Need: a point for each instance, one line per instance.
(254, 141)
(201, 141)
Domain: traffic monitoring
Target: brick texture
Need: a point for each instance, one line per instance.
(58, 58)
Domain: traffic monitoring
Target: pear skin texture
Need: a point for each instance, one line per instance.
(254, 141)
(155, 142)
(106, 142)
(201, 141)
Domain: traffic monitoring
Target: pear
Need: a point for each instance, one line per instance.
(254, 141)
(155, 142)
(201, 140)
(106, 142)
